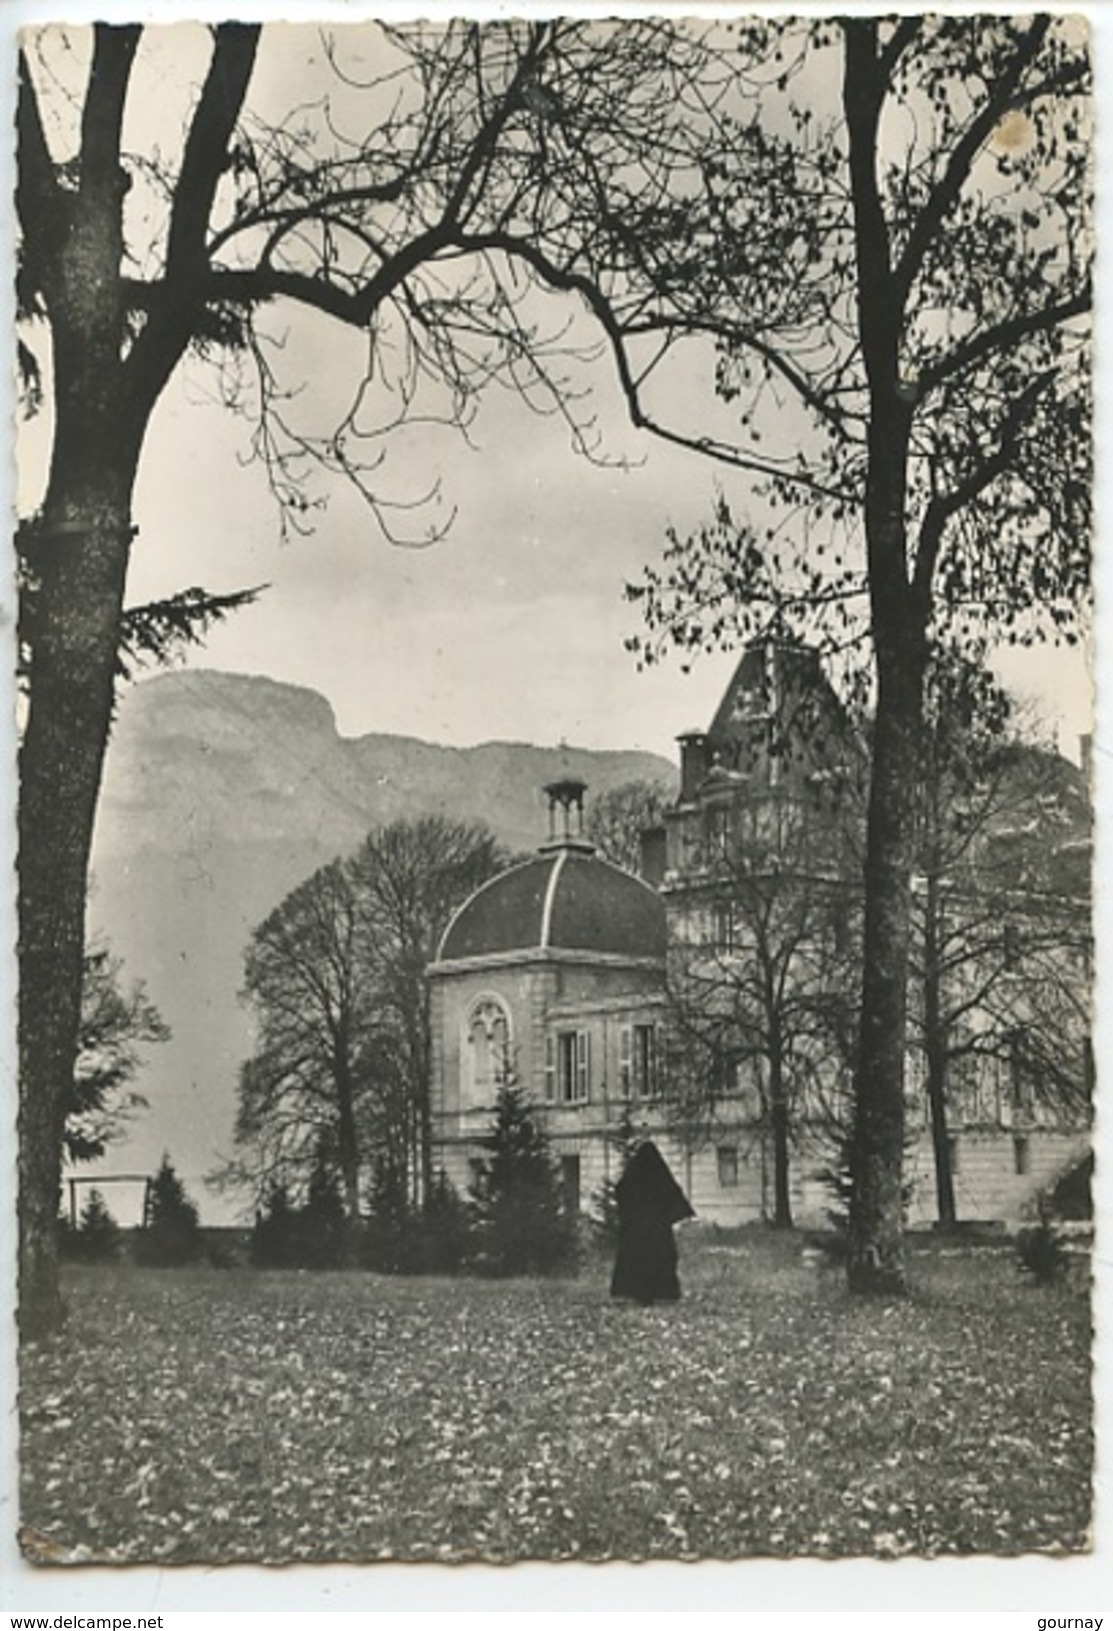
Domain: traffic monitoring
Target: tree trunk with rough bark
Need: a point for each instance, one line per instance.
(899, 613)
(78, 557)
(779, 1119)
(74, 558)
(347, 1137)
(935, 1052)
(877, 1145)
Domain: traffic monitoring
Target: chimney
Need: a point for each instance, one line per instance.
(693, 764)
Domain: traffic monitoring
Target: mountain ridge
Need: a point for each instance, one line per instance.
(221, 793)
(176, 682)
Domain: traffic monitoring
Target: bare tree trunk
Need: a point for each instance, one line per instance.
(935, 1048)
(425, 1109)
(74, 561)
(425, 1148)
(876, 1259)
(779, 1122)
(75, 555)
(898, 611)
(347, 1142)
(941, 1143)
(78, 555)
(877, 1144)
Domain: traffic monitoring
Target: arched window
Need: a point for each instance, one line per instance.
(486, 1047)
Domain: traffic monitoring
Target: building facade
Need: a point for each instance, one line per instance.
(708, 1003)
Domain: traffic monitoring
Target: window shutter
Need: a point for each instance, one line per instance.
(1005, 1106)
(625, 1057)
(550, 1069)
(467, 1061)
(583, 1064)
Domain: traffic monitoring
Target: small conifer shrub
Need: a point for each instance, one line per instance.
(521, 1223)
(171, 1236)
(1041, 1253)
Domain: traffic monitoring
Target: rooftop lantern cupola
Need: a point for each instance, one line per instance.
(566, 816)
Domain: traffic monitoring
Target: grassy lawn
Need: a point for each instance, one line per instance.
(228, 1416)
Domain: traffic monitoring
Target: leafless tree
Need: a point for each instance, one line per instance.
(118, 1023)
(1000, 914)
(617, 819)
(899, 279)
(410, 876)
(336, 979)
(305, 1084)
(762, 975)
(445, 178)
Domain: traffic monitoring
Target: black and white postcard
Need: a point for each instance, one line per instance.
(556, 807)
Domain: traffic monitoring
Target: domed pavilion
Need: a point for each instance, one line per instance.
(552, 974)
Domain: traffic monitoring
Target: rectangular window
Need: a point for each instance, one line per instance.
(550, 1069)
(644, 1061)
(637, 1062)
(1022, 1155)
(572, 1069)
(964, 1089)
(725, 1076)
(724, 927)
(952, 1152)
(718, 829)
(1020, 1084)
(727, 1155)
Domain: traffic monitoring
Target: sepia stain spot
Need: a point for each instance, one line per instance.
(38, 1548)
(1014, 133)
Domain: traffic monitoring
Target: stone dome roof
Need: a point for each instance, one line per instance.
(564, 899)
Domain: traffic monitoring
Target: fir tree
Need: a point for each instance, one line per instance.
(274, 1240)
(445, 1230)
(522, 1225)
(172, 1235)
(99, 1233)
(324, 1225)
(96, 1237)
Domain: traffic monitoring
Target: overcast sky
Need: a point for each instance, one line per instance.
(513, 626)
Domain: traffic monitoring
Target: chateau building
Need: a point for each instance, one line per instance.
(706, 1003)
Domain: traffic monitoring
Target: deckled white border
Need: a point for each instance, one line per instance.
(1073, 1586)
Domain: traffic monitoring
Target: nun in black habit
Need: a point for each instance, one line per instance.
(649, 1201)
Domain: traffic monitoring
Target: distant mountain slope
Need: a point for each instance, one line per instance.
(222, 792)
